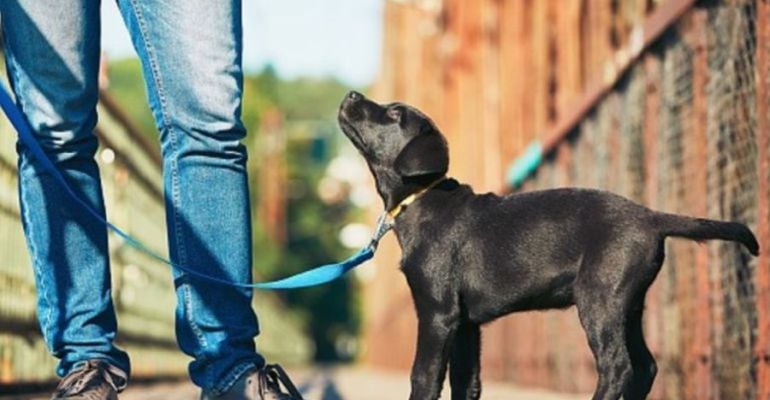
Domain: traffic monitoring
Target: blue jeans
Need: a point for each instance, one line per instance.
(191, 56)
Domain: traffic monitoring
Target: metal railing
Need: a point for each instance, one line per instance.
(684, 129)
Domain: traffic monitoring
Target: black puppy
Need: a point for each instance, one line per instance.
(469, 258)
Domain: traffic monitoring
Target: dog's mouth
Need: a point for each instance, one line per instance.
(352, 133)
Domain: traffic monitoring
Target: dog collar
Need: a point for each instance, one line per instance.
(385, 221)
(411, 198)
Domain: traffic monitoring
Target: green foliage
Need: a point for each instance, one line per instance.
(309, 107)
(313, 228)
(311, 135)
(310, 98)
(128, 88)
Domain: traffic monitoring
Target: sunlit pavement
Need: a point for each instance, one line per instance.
(337, 384)
(349, 384)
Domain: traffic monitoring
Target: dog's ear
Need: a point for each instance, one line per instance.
(426, 154)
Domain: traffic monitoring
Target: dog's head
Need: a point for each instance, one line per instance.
(402, 146)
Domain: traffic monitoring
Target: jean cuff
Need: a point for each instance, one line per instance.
(233, 376)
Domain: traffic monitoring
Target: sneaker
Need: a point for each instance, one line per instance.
(260, 384)
(93, 380)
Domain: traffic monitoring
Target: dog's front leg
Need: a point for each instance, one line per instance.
(465, 365)
(435, 338)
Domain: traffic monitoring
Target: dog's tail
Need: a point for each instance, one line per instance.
(703, 229)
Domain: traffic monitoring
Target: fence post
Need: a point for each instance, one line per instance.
(654, 320)
(700, 379)
(762, 80)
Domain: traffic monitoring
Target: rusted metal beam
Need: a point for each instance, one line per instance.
(700, 383)
(653, 322)
(641, 38)
(762, 69)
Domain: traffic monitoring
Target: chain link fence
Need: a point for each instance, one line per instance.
(664, 102)
(680, 133)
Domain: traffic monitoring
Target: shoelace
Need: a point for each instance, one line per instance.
(272, 376)
(82, 378)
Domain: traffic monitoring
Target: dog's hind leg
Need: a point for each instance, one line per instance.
(604, 319)
(642, 361)
(465, 365)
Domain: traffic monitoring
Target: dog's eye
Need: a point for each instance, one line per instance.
(394, 113)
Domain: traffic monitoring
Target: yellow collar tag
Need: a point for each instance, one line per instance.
(411, 198)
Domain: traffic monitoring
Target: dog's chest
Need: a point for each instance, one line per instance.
(429, 274)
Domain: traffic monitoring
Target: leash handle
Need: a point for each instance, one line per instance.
(312, 277)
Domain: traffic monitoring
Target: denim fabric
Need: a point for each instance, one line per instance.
(191, 57)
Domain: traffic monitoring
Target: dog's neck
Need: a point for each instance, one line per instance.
(393, 189)
(441, 189)
(435, 207)
(408, 200)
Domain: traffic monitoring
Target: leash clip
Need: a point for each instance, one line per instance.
(382, 228)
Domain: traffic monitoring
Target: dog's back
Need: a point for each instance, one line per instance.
(525, 251)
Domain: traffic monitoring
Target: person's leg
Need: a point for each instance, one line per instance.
(52, 56)
(191, 57)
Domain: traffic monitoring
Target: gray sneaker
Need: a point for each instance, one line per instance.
(93, 380)
(260, 384)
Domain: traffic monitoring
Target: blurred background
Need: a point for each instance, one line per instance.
(662, 101)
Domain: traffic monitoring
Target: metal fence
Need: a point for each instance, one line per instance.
(679, 133)
(675, 118)
(142, 287)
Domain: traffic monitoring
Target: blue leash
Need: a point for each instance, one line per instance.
(316, 276)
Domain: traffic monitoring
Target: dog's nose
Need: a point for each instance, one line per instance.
(354, 96)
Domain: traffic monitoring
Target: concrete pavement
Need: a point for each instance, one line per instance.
(337, 384)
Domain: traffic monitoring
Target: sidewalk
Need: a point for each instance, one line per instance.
(373, 384)
(338, 384)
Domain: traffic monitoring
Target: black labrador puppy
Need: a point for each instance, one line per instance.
(471, 258)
